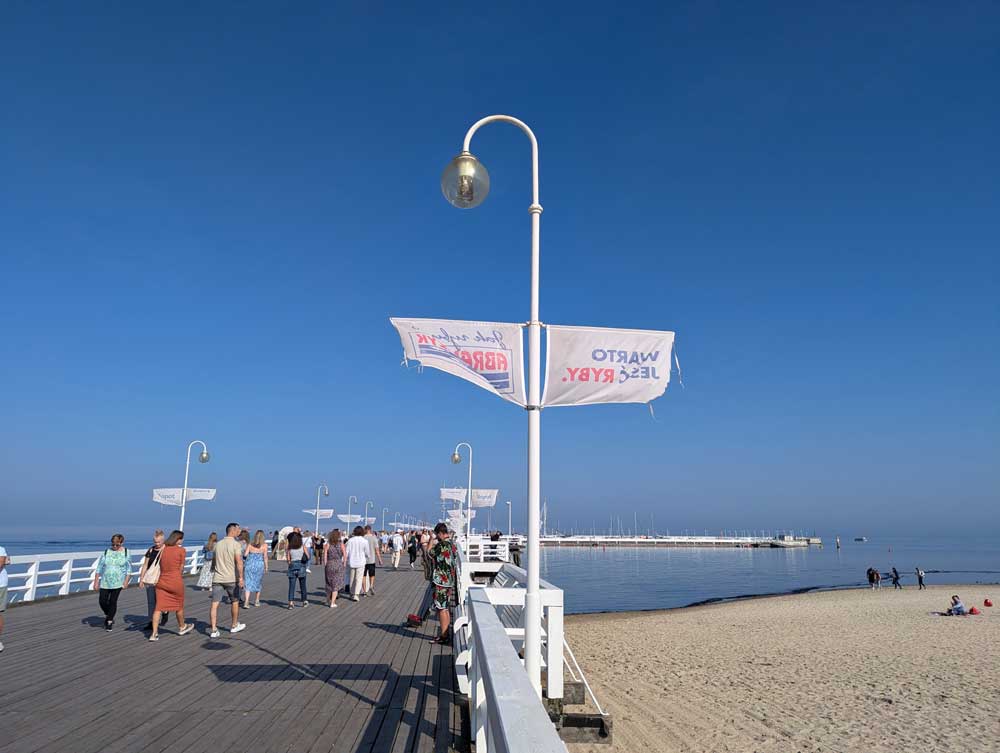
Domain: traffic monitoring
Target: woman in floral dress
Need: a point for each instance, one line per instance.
(254, 567)
(335, 565)
(208, 552)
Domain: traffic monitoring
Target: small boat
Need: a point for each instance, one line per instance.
(862, 539)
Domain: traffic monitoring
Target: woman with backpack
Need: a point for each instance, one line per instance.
(297, 557)
(152, 557)
(208, 552)
(111, 575)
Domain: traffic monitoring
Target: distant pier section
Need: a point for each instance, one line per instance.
(785, 541)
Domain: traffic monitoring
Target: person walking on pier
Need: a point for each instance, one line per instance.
(920, 580)
(895, 580)
(227, 579)
(207, 552)
(170, 585)
(254, 568)
(151, 557)
(397, 549)
(274, 545)
(412, 546)
(334, 563)
(297, 556)
(111, 574)
(357, 560)
(444, 559)
(374, 555)
(3, 589)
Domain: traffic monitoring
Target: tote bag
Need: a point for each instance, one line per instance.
(153, 571)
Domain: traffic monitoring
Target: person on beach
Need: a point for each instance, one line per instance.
(357, 560)
(957, 608)
(397, 545)
(150, 558)
(170, 586)
(254, 568)
(920, 580)
(878, 579)
(297, 557)
(207, 551)
(374, 555)
(895, 580)
(3, 589)
(112, 574)
(444, 557)
(227, 579)
(334, 565)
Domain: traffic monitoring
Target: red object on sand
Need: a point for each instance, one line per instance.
(987, 603)
(974, 610)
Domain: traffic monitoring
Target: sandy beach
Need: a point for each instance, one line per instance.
(835, 671)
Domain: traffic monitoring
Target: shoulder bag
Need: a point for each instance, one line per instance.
(153, 571)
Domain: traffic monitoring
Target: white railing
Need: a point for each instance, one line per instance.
(482, 549)
(70, 572)
(505, 713)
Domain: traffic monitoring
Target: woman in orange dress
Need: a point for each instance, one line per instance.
(170, 586)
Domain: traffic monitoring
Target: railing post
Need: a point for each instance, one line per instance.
(31, 582)
(64, 577)
(554, 651)
(478, 708)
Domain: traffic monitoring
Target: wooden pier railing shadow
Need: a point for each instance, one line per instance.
(312, 680)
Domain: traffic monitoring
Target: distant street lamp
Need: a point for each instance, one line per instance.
(326, 493)
(204, 457)
(384, 511)
(352, 500)
(510, 531)
(456, 458)
(368, 504)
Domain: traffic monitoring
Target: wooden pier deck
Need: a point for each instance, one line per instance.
(298, 681)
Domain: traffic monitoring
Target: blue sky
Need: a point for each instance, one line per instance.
(208, 214)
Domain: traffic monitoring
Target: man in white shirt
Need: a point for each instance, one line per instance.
(357, 558)
(3, 589)
(397, 549)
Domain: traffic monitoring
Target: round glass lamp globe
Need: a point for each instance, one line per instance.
(204, 457)
(456, 458)
(465, 182)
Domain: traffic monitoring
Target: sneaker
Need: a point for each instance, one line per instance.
(237, 627)
(186, 629)
(291, 606)
(355, 598)
(154, 638)
(1, 645)
(305, 604)
(333, 606)
(371, 591)
(109, 626)
(214, 634)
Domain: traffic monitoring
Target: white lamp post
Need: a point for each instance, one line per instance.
(368, 504)
(202, 458)
(352, 500)
(465, 183)
(326, 493)
(384, 511)
(510, 531)
(456, 459)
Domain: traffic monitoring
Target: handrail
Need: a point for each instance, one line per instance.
(74, 568)
(506, 714)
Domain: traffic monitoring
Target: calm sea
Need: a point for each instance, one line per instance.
(637, 578)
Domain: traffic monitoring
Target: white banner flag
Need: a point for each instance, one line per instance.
(460, 514)
(480, 497)
(349, 518)
(323, 514)
(488, 354)
(172, 497)
(598, 365)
